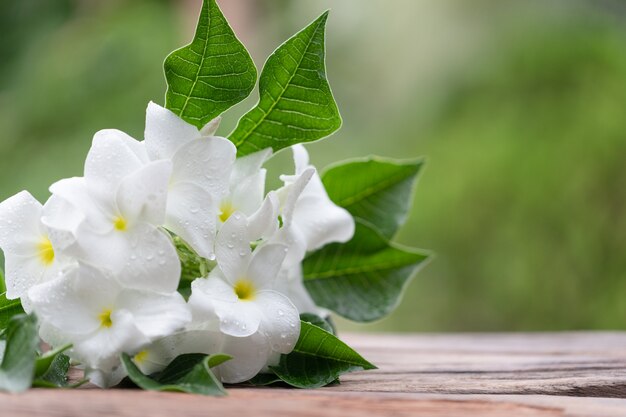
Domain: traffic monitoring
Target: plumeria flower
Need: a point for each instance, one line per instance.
(101, 318)
(310, 219)
(201, 169)
(249, 354)
(29, 254)
(239, 292)
(114, 213)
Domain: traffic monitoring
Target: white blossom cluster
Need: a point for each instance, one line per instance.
(98, 265)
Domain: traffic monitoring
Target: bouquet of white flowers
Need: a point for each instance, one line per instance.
(168, 262)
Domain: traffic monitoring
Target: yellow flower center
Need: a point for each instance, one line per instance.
(245, 290)
(141, 356)
(46, 251)
(105, 318)
(120, 223)
(226, 209)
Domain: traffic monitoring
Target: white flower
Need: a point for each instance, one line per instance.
(249, 354)
(239, 292)
(201, 169)
(92, 310)
(30, 257)
(310, 219)
(114, 214)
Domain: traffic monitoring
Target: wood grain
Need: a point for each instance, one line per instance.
(551, 374)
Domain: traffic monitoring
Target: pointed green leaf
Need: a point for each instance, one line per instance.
(187, 373)
(8, 309)
(211, 74)
(55, 375)
(316, 320)
(318, 359)
(363, 279)
(374, 189)
(296, 104)
(18, 362)
(44, 362)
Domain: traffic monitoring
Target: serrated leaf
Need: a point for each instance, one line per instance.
(318, 359)
(295, 101)
(18, 362)
(211, 74)
(363, 279)
(8, 309)
(187, 373)
(376, 190)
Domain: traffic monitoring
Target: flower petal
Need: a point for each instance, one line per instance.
(300, 158)
(232, 247)
(62, 221)
(165, 132)
(291, 285)
(207, 162)
(210, 128)
(292, 191)
(320, 220)
(113, 155)
(25, 272)
(155, 315)
(150, 261)
(142, 195)
(264, 222)
(248, 166)
(19, 224)
(192, 215)
(249, 356)
(247, 195)
(293, 238)
(265, 265)
(281, 321)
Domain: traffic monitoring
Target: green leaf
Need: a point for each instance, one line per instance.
(316, 320)
(56, 374)
(363, 279)
(3, 284)
(187, 373)
(18, 362)
(318, 359)
(211, 74)
(8, 309)
(374, 189)
(263, 380)
(295, 101)
(43, 362)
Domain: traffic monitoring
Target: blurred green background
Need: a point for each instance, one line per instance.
(519, 106)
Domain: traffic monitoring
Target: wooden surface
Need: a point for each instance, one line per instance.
(552, 374)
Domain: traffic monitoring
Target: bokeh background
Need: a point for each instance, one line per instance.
(520, 108)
